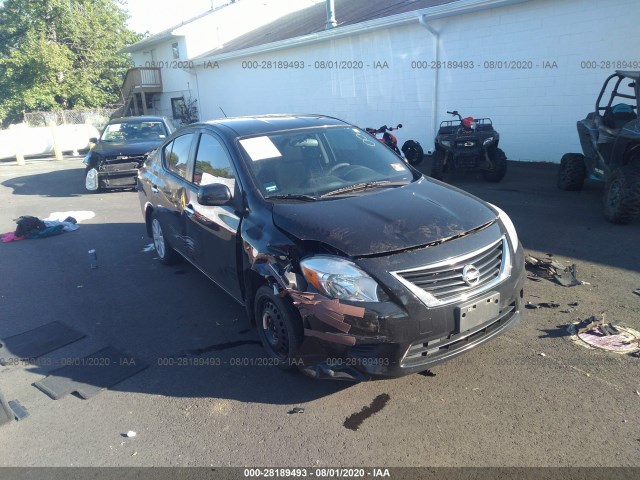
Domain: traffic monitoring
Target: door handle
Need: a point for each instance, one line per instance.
(188, 208)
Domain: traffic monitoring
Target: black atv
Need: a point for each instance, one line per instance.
(610, 140)
(468, 144)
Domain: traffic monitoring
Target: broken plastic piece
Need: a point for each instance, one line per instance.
(296, 410)
(552, 269)
(131, 434)
(637, 291)
(533, 306)
(567, 277)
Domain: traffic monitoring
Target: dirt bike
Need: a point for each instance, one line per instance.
(411, 150)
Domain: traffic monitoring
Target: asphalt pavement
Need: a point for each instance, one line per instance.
(531, 397)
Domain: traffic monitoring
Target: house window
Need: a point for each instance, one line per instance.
(178, 107)
(176, 50)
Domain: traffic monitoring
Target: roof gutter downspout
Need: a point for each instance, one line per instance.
(436, 46)
(331, 15)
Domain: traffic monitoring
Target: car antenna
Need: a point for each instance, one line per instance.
(225, 115)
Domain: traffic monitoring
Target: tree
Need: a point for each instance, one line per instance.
(61, 54)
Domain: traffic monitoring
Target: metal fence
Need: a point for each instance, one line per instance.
(97, 117)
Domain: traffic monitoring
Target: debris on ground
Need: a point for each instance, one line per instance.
(131, 434)
(598, 333)
(637, 291)
(551, 269)
(296, 410)
(535, 306)
(542, 354)
(427, 373)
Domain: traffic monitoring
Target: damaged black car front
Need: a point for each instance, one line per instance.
(122, 148)
(371, 270)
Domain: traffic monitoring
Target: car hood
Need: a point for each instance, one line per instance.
(384, 221)
(125, 149)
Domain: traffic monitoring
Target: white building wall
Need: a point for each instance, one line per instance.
(534, 109)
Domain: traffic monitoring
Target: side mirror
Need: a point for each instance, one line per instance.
(213, 195)
(93, 140)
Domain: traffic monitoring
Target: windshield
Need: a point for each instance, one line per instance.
(314, 162)
(133, 132)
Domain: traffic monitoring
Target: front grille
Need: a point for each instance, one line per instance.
(426, 352)
(443, 282)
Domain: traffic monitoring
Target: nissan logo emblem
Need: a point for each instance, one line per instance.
(471, 275)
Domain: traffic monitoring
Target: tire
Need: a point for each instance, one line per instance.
(279, 327)
(572, 172)
(413, 152)
(86, 180)
(499, 161)
(437, 164)
(622, 194)
(166, 253)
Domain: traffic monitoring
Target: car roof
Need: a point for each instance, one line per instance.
(264, 124)
(635, 75)
(140, 118)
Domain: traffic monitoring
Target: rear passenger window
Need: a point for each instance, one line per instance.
(213, 164)
(176, 154)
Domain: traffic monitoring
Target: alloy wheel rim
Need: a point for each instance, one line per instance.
(158, 238)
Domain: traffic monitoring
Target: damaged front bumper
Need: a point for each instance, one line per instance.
(118, 175)
(404, 335)
(121, 172)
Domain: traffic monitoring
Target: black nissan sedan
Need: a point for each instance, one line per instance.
(123, 146)
(350, 263)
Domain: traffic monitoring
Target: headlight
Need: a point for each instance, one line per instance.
(487, 141)
(340, 279)
(446, 143)
(508, 225)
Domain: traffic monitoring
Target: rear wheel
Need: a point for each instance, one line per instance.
(437, 164)
(622, 194)
(279, 327)
(166, 253)
(572, 172)
(499, 165)
(413, 152)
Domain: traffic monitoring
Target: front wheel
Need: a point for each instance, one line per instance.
(437, 164)
(622, 194)
(498, 165)
(413, 152)
(572, 172)
(279, 327)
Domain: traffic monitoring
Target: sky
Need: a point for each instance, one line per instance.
(155, 16)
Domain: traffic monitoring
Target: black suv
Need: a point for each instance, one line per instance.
(610, 140)
(350, 263)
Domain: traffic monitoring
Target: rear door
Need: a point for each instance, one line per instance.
(214, 229)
